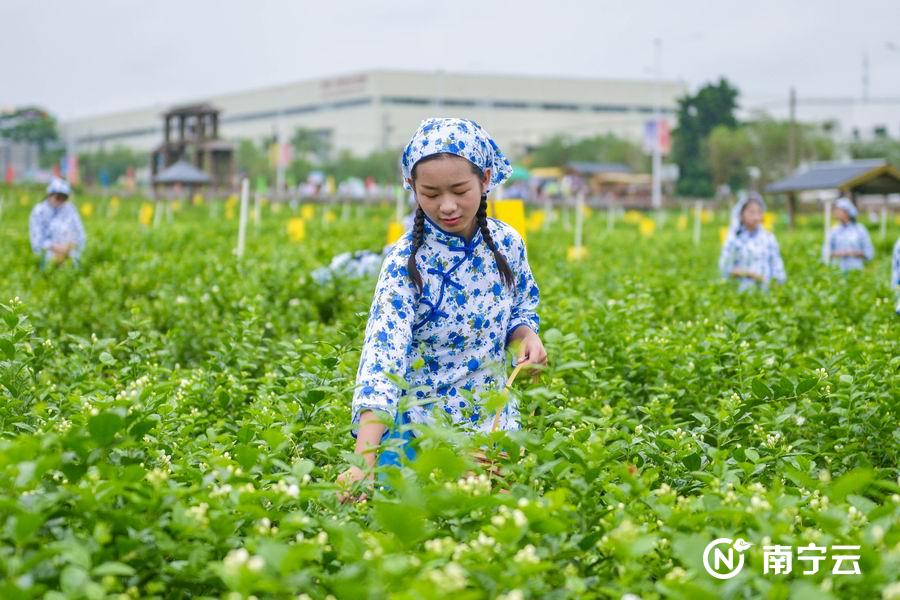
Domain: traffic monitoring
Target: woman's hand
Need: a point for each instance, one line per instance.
(347, 480)
(368, 437)
(529, 347)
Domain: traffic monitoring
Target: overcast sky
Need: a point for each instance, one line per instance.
(87, 57)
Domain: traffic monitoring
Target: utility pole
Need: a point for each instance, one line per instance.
(792, 156)
(657, 151)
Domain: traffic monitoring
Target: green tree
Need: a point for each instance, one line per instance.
(29, 124)
(559, 150)
(730, 152)
(698, 115)
(770, 140)
(114, 162)
(253, 160)
(886, 148)
(311, 146)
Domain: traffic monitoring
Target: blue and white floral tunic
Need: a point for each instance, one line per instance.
(49, 225)
(448, 342)
(848, 237)
(755, 251)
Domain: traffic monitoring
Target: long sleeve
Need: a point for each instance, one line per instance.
(866, 242)
(895, 265)
(828, 246)
(77, 231)
(726, 257)
(776, 264)
(38, 231)
(388, 341)
(527, 294)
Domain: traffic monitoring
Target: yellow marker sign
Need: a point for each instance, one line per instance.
(330, 186)
(86, 209)
(706, 216)
(23, 200)
(276, 207)
(114, 203)
(682, 223)
(647, 227)
(723, 234)
(576, 253)
(198, 199)
(330, 217)
(296, 229)
(230, 207)
(511, 212)
(145, 215)
(308, 211)
(395, 232)
(632, 217)
(769, 220)
(535, 220)
(587, 211)
(803, 220)
(176, 206)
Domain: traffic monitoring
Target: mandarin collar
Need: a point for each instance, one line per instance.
(454, 241)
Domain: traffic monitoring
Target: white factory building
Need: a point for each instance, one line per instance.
(379, 109)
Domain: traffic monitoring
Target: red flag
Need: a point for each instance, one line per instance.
(10, 174)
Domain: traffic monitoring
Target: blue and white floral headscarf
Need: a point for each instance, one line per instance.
(848, 207)
(461, 137)
(734, 227)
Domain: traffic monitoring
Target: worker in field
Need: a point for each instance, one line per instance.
(751, 255)
(55, 228)
(848, 244)
(453, 294)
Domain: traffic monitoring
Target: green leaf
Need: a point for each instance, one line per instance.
(103, 427)
(692, 461)
(751, 454)
(760, 390)
(8, 348)
(849, 483)
(246, 456)
(113, 568)
(405, 522)
(806, 385)
(107, 359)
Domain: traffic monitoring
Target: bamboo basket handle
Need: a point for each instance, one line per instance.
(509, 382)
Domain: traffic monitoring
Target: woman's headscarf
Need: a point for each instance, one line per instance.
(734, 227)
(848, 207)
(461, 137)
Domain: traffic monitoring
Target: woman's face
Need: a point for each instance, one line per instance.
(841, 215)
(58, 199)
(449, 193)
(751, 216)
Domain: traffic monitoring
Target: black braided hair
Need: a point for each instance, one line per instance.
(506, 273)
(418, 238)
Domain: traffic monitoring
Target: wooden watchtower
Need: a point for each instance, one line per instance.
(191, 134)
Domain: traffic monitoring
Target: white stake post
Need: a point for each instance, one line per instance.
(399, 198)
(883, 224)
(610, 214)
(257, 212)
(827, 225)
(698, 214)
(579, 219)
(242, 227)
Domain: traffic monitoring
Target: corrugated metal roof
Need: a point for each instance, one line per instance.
(181, 172)
(825, 176)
